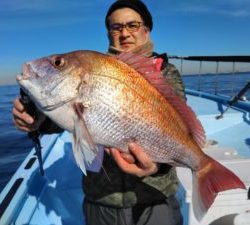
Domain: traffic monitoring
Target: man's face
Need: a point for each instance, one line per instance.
(124, 39)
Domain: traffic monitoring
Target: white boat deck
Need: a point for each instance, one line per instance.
(232, 131)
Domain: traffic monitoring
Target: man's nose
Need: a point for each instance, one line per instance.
(124, 32)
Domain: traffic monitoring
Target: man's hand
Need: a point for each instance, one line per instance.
(137, 162)
(22, 120)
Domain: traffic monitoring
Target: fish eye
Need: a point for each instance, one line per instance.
(58, 61)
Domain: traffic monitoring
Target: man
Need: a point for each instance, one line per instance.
(140, 191)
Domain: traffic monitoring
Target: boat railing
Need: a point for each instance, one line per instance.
(236, 65)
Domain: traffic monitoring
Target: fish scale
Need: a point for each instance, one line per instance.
(111, 128)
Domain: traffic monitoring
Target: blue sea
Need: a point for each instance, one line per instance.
(15, 145)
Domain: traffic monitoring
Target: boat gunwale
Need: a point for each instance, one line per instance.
(239, 105)
(10, 207)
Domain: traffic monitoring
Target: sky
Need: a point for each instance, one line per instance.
(31, 29)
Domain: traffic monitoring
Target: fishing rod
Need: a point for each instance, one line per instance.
(33, 135)
(235, 99)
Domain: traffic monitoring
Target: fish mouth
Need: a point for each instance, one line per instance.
(20, 77)
(27, 73)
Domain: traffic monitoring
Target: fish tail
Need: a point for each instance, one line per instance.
(211, 179)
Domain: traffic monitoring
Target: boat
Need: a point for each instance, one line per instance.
(56, 196)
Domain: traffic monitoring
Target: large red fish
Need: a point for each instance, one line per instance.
(114, 101)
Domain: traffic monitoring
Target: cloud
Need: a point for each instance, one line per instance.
(240, 13)
(232, 8)
(20, 6)
(25, 14)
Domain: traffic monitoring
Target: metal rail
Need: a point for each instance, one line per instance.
(231, 58)
(217, 59)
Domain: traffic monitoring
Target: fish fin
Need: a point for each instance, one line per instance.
(194, 125)
(211, 179)
(140, 63)
(150, 70)
(85, 150)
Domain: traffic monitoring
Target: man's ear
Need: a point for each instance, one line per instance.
(147, 31)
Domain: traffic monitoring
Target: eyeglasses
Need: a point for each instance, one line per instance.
(131, 27)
